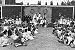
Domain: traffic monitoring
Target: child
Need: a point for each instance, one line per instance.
(4, 39)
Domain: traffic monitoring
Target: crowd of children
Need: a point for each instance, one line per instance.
(16, 32)
(64, 30)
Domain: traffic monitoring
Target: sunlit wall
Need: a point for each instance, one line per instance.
(42, 1)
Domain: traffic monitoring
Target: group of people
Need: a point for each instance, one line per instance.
(16, 32)
(64, 30)
(37, 19)
(12, 21)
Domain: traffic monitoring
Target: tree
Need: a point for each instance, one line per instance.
(45, 3)
(73, 2)
(28, 3)
(65, 3)
(57, 3)
(62, 3)
(68, 2)
(21, 3)
(39, 2)
(51, 3)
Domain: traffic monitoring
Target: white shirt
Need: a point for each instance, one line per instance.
(42, 21)
(60, 21)
(34, 16)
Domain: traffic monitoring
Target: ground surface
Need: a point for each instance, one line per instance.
(45, 40)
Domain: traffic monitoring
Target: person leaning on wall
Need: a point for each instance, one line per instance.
(45, 15)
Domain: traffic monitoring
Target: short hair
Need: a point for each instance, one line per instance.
(25, 30)
(32, 10)
(45, 10)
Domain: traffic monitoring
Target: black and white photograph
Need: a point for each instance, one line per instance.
(37, 24)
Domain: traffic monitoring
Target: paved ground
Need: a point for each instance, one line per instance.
(45, 40)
